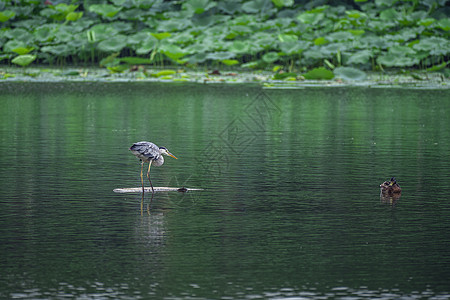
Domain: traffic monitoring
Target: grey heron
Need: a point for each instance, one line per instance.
(149, 153)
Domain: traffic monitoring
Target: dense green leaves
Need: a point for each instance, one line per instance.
(249, 33)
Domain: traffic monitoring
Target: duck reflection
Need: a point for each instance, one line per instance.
(390, 191)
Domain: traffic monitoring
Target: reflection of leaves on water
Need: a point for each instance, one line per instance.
(213, 159)
(262, 110)
(238, 135)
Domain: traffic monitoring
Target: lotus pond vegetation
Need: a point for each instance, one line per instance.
(291, 39)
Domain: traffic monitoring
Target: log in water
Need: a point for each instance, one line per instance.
(156, 189)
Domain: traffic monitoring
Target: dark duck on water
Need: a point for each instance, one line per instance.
(390, 187)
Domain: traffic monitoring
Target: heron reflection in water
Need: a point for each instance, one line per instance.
(149, 153)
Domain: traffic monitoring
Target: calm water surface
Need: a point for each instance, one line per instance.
(290, 209)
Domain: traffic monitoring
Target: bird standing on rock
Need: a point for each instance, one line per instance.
(149, 153)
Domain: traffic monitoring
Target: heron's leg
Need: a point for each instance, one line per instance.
(148, 175)
(142, 178)
(148, 205)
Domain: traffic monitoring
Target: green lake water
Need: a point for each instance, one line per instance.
(291, 205)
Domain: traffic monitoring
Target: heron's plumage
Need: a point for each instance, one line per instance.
(147, 152)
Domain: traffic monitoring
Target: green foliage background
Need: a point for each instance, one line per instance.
(300, 35)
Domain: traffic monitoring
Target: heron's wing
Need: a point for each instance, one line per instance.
(146, 150)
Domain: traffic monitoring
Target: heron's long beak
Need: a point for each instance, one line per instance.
(170, 154)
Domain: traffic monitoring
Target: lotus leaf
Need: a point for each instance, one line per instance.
(256, 6)
(140, 37)
(165, 73)
(65, 9)
(281, 76)
(313, 54)
(110, 60)
(434, 45)
(172, 51)
(113, 44)
(355, 14)
(183, 38)
(319, 74)
(290, 48)
(401, 50)
(229, 62)
(243, 20)
(122, 27)
(385, 2)
(118, 68)
(320, 9)
(403, 36)
(134, 14)
(174, 25)
(356, 32)
(444, 24)
(287, 37)
(197, 48)
(6, 15)
(162, 35)
(121, 3)
(374, 42)
(49, 13)
(333, 48)
(64, 34)
(220, 55)
(390, 14)
(251, 65)
(229, 7)
(426, 22)
(270, 57)
(45, 32)
(146, 47)
(14, 44)
(360, 57)
(381, 26)
(198, 6)
(396, 60)
(310, 18)
(19, 34)
(241, 29)
(320, 41)
(24, 60)
(197, 58)
(281, 3)
(348, 73)
(23, 50)
(340, 36)
(239, 47)
(102, 32)
(105, 10)
(59, 50)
